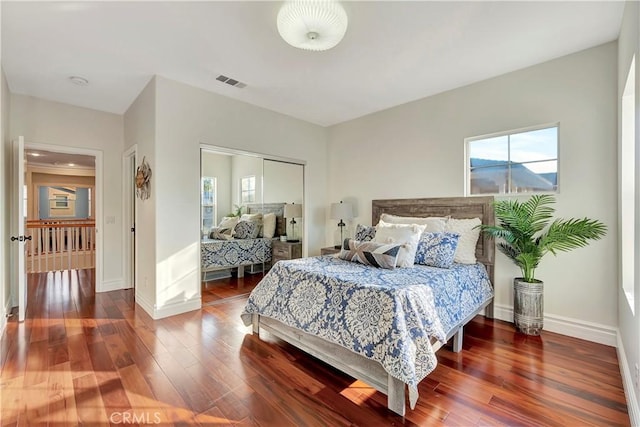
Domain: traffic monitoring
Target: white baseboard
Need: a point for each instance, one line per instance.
(589, 331)
(178, 307)
(110, 285)
(3, 316)
(171, 309)
(145, 304)
(627, 382)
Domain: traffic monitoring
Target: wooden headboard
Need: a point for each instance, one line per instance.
(456, 207)
(276, 208)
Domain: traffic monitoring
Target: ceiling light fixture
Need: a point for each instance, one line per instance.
(312, 24)
(80, 81)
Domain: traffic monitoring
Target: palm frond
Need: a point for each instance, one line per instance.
(497, 232)
(565, 235)
(539, 211)
(510, 251)
(521, 229)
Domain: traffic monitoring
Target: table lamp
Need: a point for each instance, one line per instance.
(341, 211)
(293, 211)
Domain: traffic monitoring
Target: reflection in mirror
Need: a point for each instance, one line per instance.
(242, 215)
(215, 189)
(283, 183)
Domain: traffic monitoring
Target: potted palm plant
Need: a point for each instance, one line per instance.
(527, 234)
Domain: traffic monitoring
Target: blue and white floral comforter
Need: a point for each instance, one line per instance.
(235, 252)
(385, 315)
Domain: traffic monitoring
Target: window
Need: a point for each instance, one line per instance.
(627, 184)
(248, 189)
(89, 202)
(523, 161)
(61, 201)
(208, 203)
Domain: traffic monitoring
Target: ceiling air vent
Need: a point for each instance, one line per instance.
(230, 81)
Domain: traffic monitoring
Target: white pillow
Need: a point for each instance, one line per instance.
(469, 233)
(433, 224)
(229, 222)
(269, 225)
(407, 235)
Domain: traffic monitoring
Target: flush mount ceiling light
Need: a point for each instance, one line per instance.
(80, 81)
(312, 24)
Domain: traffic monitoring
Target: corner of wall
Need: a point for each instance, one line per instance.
(627, 382)
(179, 307)
(144, 303)
(171, 309)
(5, 309)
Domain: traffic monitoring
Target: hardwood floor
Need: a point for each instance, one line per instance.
(87, 359)
(214, 291)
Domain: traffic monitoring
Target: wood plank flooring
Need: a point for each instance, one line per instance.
(87, 359)
(215, 291)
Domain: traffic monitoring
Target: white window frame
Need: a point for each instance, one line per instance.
(628, 189)
(467, 166)
(214, 204)
(248, 191)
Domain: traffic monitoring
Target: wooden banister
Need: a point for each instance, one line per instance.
(60, 245)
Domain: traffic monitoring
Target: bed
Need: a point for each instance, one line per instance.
(334, 301)
(224, 255)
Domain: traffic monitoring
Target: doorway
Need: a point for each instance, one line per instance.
(130, 218)
(61, 198)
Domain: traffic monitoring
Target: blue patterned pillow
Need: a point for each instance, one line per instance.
(437, 249)
(365, 233)
(381, 255)
(246, 230)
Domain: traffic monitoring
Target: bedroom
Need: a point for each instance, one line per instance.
(425, 134)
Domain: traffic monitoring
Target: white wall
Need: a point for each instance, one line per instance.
(188, 116)
(628, 323)
(417, 150)
(219, 166)
(140, 131)
(48, 122)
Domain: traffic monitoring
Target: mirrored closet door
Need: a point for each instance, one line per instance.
(251, 217)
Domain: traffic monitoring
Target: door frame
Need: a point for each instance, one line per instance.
(99, 196)
(130, 217)
(18, 214)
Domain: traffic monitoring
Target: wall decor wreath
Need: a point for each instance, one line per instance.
(143, 180)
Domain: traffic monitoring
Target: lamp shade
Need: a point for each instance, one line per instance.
(341, 211)
(292, 211)
(312, 24)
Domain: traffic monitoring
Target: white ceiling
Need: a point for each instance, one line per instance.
(60, 160)
(393, 52)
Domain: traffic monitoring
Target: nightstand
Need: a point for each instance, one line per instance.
(331, 250)
(285, 250)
